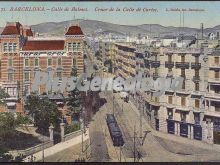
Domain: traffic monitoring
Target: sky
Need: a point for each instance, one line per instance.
(209, 15)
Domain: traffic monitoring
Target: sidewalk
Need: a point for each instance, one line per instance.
(59, 147)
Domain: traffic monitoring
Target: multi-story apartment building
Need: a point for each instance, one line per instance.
(193, 111)
(125, 60)
(106, 50)
(22, 54)
(212, 97)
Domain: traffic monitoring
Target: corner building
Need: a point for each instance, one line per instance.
(22, 54)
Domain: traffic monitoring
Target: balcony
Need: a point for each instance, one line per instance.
(155, 64)
(215, 66)
(214, 80)
(195, 65)
(184, 51)
(213, 95)
(196, 78)
(169, 64)
(184, 65)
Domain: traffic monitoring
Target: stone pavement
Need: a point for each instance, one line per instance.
(59, 147)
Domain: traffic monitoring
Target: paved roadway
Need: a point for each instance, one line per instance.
(99, 150)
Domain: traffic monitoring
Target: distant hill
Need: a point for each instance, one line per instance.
(90, 26)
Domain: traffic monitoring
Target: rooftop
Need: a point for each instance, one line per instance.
(74, 30)
(11, 29)
(44, 45)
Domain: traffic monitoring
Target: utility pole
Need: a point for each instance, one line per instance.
(82, 127)
(140, 108)
(113, 104)
(43, 150)
(134, 142)
(120, 153)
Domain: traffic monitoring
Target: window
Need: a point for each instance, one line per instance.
(196, 72)
(10, 62)
(74, 46)
(10, 76)
(170, 113)
(196, 86)
(10, 47)
(197, 103)
(74, 61)
(26, 76)
(196, 59)
(14, 47)
(5, 47)
(216, 74)
(182, 58)
(49, 62)
(183, 101)
(70, 47)
(196, 118)
(217, 106)
(26, 62)
(183, 73)
(183, 116)
(78, 46)
(169, 58)
(59, 74)
(36, 62)
(170, 99)
(169, 70)
(59, 62)
(217, 60)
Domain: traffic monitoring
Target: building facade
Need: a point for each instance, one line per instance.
(125, 60)
(22, 54)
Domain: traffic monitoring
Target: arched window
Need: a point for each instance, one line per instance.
(74, 61)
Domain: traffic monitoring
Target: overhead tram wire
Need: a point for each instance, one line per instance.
(128, 136)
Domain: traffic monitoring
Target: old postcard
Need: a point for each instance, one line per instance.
(109, 81)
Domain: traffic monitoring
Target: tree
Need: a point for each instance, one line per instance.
(44, 112)
(22, 119)
(3, 95)
(74, 103)
(72, 128)
(74, 71)
(108, 63)
(74, 99)
(7, 124)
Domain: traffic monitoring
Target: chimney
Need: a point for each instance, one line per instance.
(202, 30)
